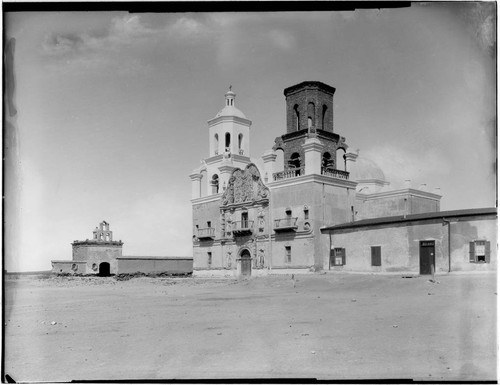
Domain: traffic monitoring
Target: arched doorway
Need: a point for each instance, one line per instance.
(246, 263)
(104, 269)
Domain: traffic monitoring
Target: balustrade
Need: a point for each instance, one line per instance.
(290, 173)
(208, 232)
(285, 224)
(334, 173)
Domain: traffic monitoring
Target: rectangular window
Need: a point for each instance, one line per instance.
(306, 214)
(288, 254)
(376, 256)
(209, 224)
(338, 257)
(479, 251)
(244, 220)
(209, 259)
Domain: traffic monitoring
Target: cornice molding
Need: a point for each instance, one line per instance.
(237, 119)
(315, 178)
(206, 199)
(400, 192)
(98, 243)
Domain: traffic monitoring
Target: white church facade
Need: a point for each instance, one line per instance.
(250, 218)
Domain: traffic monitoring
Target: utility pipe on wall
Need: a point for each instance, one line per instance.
(330, 251)
(449, 243)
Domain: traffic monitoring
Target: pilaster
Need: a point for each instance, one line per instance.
(312, 154)
(269, 159)
(195, 185)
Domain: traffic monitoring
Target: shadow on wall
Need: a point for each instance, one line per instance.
(461, 234)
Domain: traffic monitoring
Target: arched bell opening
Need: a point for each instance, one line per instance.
(327, 162)
(294, 163)
(214, 183)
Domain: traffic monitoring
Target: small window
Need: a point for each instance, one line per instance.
(479, 251)
(337, 257)
(288, 212)
(376, 256)
(209, 224)
(209, 259)
(306, 213)
(288, 254)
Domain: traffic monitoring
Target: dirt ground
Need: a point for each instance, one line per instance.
(330, 326)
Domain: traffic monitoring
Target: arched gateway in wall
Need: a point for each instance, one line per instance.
(104, 269)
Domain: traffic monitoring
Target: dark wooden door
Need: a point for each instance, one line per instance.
(246, 263)
(376, 256)
(427, 261)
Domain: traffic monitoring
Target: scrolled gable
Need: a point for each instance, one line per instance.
(245, 187)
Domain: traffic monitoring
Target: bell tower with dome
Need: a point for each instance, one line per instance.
(229, 129)
(229, 146)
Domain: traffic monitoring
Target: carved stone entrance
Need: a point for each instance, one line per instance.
(246, 263)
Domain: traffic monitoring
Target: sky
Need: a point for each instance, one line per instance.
(112, 110)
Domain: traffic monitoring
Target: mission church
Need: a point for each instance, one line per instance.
(250, 219)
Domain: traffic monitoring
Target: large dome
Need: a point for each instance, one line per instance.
(364, 169)
(230, 111)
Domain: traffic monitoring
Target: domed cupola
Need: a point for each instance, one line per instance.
(230, 109)
(368, 174)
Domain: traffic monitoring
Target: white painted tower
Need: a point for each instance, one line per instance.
(229, 138)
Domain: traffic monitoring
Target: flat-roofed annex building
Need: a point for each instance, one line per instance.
(441, 242)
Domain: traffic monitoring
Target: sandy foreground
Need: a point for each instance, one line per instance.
(330, 326)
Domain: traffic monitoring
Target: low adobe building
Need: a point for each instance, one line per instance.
(103, 256)
(446, 241)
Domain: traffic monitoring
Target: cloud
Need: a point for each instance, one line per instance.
(62, 44)
(284, 40)
(187, 27)
(128, 27)
(98, 50)
(121, 31)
